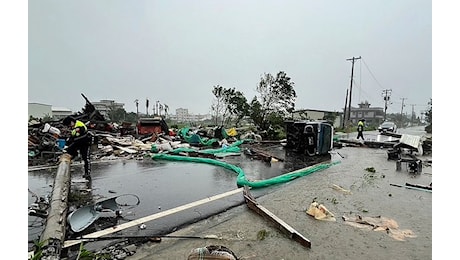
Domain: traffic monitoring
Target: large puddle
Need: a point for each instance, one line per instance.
(160, 185)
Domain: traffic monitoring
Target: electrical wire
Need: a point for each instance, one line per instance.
(372, 74)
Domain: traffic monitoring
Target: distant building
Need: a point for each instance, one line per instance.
(60, 112)
(372, 115)
(313, 114)
(37, 110)
(105, 106)
(182, 115)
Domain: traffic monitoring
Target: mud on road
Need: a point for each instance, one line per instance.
(370, 195)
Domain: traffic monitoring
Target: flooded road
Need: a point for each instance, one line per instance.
(163, 185)
(160, 185)
(368, 176)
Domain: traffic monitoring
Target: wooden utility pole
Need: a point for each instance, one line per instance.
(55, 229)
(412, 115)
(345, 111)
(351, 85)
(402, 107)
(386, 96)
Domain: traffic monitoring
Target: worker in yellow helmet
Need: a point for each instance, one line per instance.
(360, 129)
(79, 141)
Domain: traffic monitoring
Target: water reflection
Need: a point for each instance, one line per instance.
(163, 185)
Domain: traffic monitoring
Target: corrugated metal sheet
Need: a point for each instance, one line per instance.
(411, 140)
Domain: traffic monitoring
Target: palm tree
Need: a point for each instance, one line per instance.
(166, 108)
(160, 108)
(137, 106)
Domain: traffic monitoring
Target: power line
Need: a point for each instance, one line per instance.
(372, 74)
(386, 93)
(369, 96)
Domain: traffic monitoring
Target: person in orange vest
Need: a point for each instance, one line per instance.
(360, 129)
(79, 141)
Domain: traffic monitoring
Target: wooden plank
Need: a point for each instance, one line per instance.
(280, 224)
(142, 220)
(419, 186)
(391, 134)
(126, 149)
(409, 187)
(267, 155)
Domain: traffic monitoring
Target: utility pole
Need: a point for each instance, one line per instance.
(422, 116)
(386, 96)
(345, 111)
(412, 115)
(351, 85)
(402, 107)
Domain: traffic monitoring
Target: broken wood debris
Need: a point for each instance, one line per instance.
(280, 224)
(410, 187)
(262, 155)
(419, 186)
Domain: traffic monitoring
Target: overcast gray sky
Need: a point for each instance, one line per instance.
(176, 51)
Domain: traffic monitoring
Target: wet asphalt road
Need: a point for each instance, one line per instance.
(163, 185)
(159, 185)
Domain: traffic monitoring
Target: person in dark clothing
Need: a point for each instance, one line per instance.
(79, 141)
(360, 129)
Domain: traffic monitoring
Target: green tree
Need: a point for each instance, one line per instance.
(47, 118)
(131, 117)
(429, 112)
(219, 107)
(330, 117)
(229, 104)
(276, 97)
(117, 114)
(237, 105)
(428, 117)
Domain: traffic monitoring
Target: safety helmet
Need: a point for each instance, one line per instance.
(68, 119)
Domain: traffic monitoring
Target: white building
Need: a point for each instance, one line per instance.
(182, 115)
(38, 110)
(60, 112)
(104, 106)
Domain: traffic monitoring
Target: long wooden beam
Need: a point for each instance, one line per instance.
(142, 220)
(280, 224)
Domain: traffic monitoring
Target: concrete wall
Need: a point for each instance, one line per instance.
(38, 110)
(316, 115)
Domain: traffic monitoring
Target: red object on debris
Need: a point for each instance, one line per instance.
(147, 126)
